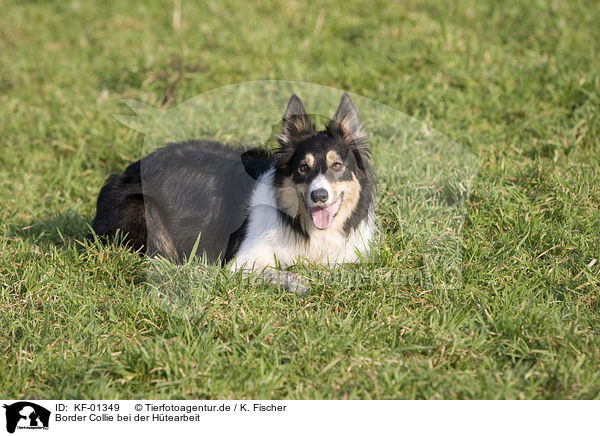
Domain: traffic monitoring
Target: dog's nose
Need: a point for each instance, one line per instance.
(319, 195)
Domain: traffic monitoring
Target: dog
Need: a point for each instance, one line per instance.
(313, 199)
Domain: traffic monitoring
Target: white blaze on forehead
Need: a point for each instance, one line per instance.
(320, 182)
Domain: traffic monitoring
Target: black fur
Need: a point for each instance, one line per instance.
(188, 188)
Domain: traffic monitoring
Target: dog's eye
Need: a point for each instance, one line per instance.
(303, 168)
(336, 166)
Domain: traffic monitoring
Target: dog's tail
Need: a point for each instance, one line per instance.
(120, 209)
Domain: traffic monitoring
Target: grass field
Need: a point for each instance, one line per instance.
(516, 83)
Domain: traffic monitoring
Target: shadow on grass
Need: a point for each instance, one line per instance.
(58, 229)
(62, 240)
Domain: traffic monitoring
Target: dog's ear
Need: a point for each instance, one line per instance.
(296, 123)
(346, 124)
(255, 162)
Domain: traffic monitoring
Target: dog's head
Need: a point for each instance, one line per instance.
(321, 175)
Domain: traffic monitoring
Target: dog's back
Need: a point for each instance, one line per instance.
(165, 201)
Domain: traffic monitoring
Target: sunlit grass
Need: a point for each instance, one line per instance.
(516, 83)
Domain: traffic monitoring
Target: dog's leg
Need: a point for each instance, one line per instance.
(288, 280)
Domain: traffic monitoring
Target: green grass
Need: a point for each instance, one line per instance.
(517, 84)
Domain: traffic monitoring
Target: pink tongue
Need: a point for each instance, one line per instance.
(323, 217)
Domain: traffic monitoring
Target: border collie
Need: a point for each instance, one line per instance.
(312, 200)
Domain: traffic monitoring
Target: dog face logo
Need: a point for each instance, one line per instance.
(26, 415)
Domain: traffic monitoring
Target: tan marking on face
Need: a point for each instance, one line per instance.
(309, 159)
(290, 200)
(351, 190)
(332, 157)
(288, 196)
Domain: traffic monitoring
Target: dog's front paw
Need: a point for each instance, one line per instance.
(288, 280)
(295, 284)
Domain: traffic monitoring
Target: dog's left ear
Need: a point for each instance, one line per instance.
(346, 124)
